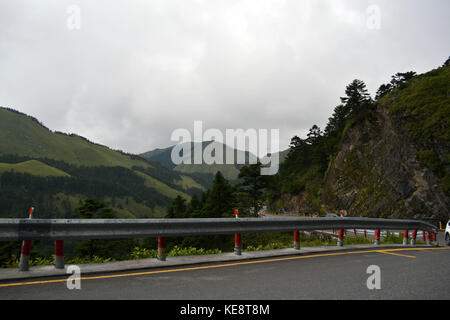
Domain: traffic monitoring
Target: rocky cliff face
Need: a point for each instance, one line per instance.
(376, 173)
(388, 159)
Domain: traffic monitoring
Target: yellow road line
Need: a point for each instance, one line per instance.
(396, 254)
(108, 276)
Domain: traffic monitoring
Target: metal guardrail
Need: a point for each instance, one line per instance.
(86, 229)
(83, 229)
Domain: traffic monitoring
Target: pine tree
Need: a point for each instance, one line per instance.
(251, 189)
(447, 63)
(400, 78)
(92, 208)
(178, 208)
(357, 96)
(314, 135)
(383, 90)
(220, 200)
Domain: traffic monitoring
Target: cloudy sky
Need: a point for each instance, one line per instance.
(128, 73)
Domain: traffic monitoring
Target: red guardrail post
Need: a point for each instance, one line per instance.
(413, 237)
(433, 238)
(161, 249)
(429, 238)
(237, 244)
(24, 262)
(365, 234)
(340, 242)
(296, 240)
(405, 237)
(237, 238)
(377, 237)
(59, 254)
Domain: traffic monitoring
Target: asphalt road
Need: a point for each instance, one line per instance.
(411, 274)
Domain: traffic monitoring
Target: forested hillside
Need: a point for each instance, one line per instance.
(56, 172)
(382, 157)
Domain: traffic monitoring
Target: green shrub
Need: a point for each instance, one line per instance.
(177, 251)
(430, 159)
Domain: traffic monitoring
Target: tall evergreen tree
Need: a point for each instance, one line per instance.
(251, 189)
(447, 62)
(383, 90)
(314, 135)
(220, 200)
(92, 208)
(357, 95)
(402, 77)
(177, 208)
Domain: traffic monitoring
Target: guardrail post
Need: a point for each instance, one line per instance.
(59, 254)
(340, 242)
(413, 237)
(354, 231)
(429, 238)
(24, 263)
(405, 237)
(237, 244)
(433, 238)
(365, 234)
(377, 237)
(161, 249)
(424, 237)
(296, 240)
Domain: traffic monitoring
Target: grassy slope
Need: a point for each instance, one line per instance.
(33, 167)
(426, 102)
(21, 135)
(161, 187)
(229, 171)
(122, 207)
(188, 183)
(423, 105)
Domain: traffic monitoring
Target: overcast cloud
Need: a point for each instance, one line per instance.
(137, 70)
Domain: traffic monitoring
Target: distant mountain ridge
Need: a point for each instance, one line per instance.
(29, 151)
(230, 171)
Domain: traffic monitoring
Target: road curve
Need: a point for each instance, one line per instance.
(405, 274)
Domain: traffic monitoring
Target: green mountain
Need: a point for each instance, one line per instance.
(24, 135)
(55, 172)
(229, 171)
(32, 167)
(387, 157)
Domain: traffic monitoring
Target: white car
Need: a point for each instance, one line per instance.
(447, 233)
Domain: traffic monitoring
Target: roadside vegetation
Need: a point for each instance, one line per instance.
(146, 248)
